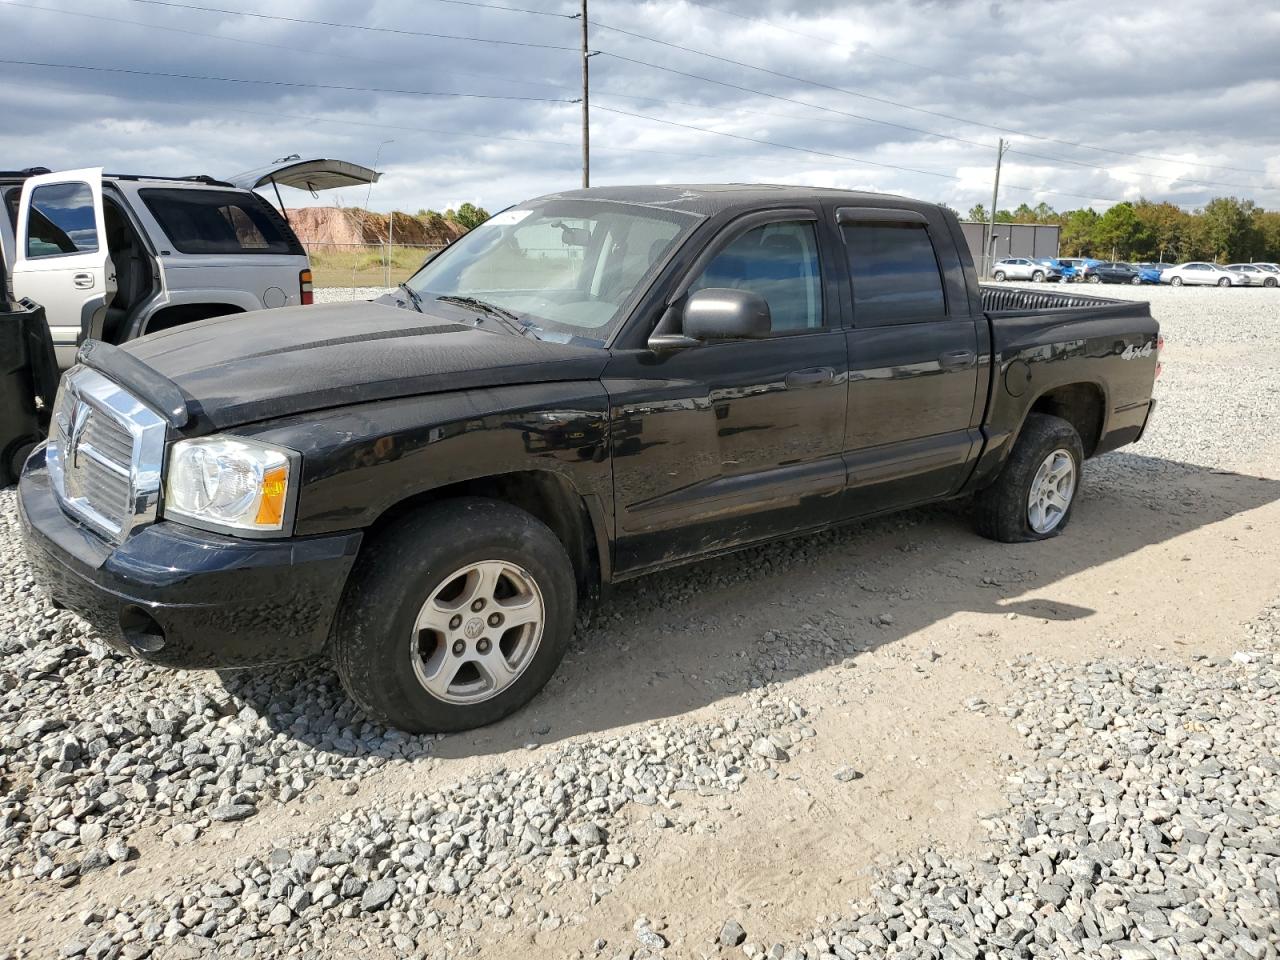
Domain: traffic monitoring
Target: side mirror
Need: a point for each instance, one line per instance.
(722, 313)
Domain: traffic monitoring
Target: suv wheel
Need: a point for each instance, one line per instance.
(456, 617)
(1033, 496)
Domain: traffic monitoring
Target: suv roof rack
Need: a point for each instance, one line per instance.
(198, 178)
(22, 174)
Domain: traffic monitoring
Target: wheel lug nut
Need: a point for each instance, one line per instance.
(477, 605)
(495, 619)
(459, 648)
(483, 646)
(455, 621)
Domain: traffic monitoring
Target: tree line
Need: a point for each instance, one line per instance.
(1225, 230)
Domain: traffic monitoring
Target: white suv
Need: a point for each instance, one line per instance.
(112, 257)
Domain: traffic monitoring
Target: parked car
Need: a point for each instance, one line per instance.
(1150, 272)
(1255, 274)
(1199, 272)
(1079, 266)
(1055, 270)
(1113, 271)
(1021, 268)
(112, 257)
(423, 487)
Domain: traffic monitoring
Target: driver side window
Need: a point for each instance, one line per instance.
(779, 261)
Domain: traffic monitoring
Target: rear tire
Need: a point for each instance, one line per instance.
(1007, 511)
(466, 567)
(1269, 282)
(1094, 278)
(1135, 281)
(998, 276)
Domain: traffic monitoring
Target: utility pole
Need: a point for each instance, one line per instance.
(586, 104)
(995, 199)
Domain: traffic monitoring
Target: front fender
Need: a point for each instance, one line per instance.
(359, 461)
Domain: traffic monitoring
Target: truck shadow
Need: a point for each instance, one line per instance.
(675, 642)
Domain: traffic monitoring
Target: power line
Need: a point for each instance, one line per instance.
(353, 26)
(831, 43)
(841, 156)
(782, 146)
(281, 83)
(292, 48)
(897, 103)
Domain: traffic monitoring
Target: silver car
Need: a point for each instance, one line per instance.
(112, 257)
(1019, 268)
(1256, 274)
(1200, 272)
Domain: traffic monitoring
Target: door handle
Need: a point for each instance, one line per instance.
(83, 281)
(812, 377)
(957, 359)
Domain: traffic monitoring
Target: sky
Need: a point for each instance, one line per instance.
(1172, 101)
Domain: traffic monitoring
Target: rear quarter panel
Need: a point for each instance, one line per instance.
(1110, 345)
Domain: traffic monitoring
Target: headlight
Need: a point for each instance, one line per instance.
(227, 482)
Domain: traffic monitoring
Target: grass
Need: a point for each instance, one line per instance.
(343, 266)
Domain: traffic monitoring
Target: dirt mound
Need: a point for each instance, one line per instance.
(351, 225)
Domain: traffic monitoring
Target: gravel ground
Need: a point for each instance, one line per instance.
(1129, 768)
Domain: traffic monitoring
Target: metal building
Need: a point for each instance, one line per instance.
(1011, 240)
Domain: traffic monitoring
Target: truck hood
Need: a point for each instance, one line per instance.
(273, 363)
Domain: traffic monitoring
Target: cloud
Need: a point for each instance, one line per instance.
(1175, 81)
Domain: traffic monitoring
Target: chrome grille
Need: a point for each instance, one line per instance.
(105, 454)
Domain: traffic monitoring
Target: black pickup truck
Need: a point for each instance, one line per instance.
(588, 387)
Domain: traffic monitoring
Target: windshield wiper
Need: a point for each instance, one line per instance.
(414, 297)
(511, 321)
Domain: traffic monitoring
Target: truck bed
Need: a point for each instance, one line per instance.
(997, 299)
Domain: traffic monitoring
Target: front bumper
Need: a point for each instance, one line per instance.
(181, 597)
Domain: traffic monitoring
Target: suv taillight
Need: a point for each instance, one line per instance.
(1159, 350)
(304, 287)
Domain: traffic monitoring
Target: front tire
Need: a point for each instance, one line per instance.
(1094, 278)
(1224, 282)
(1038, 276)
(1176, 282)
(1135, 281)
(455, 617)
(1269, 282)
(1033, 497)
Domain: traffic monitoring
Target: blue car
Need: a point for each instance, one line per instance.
(1056, 269)
(1149, 272)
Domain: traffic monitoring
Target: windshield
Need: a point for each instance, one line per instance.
(561, 269)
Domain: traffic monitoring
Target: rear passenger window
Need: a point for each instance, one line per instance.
(211, 221)
(895, 273)
(779, 261)
(61, 221)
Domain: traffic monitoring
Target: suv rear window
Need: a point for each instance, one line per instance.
(213, 221)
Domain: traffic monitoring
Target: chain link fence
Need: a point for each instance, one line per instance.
(365, 264)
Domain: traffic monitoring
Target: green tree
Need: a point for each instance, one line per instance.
(1222, 228)
(979, 213)
(1119, 232)
(468, 216)
(1265, 226)
(1045, 213)
(1167, 228)
(1024, 214)
(1076, 238)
